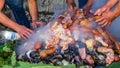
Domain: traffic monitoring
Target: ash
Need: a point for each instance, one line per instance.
(73, 38)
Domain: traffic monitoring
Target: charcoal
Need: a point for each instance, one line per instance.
(34, 54)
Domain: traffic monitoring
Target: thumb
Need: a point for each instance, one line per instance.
(104, 9)
(97, 12)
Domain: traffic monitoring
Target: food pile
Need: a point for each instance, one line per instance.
(75, 38)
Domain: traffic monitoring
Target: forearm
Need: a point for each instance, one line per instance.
(71, 3)
(111, 3)
(89, 3)
(7, 22)
(33, 9)
(116, 11)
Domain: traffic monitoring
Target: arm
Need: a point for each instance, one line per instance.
(5, 20)
(111, 3)
(108, 17)
(106, 7)
(88, 5)
(71, 3)
(11, 24)
(2, 2)
(33, 9)
(86, 8)
(116, 11)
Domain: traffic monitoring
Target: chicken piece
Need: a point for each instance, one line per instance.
(95, 32)
(109, 58)
(85, 22)
(37, 46)
(79, 14)
(108, 52)
(75, 23)
(116, 58)
(60, 18)
(90, 43)
(96, 17)
(98, 38)
(103, 33)
(62, 33)
(57, 29)
(105, 50)
(43, 54)
(52, 41)
(117, 45)
(82, 53)
(89, 59)
(67, 22)
(46, 52)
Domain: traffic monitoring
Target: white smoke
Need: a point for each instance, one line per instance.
(40, 34)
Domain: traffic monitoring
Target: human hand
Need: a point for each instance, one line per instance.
(23, 31)
(87, 12)
(86, 9)
(106, 19)
(35, 24)
(71, 10)
(102, 10)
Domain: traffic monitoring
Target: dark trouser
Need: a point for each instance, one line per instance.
(81, 3)
(17, 8)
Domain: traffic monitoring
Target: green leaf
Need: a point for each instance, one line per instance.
(69, 66)
(114, 65)
(6, 49)
(46, 66)
(7, 61)
(7, 66)
(1, 61)
(82, 66)
(21, 64)
(13, 59)
(1, 48)
(31, 65)
(8, 44)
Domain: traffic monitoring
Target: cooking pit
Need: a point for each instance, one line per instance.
(73, 38)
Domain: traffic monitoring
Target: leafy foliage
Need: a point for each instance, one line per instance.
(40, 65)
(7, 53)
(13, 59)
(6, 49)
